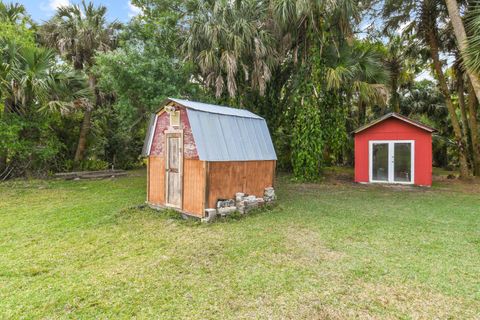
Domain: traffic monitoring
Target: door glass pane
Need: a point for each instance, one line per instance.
(403, 166)
(380, 161)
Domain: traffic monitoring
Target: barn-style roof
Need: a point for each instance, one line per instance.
(399, 117)
(225, 134)
(212, 108)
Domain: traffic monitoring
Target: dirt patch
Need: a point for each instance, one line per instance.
(470, 185)
(292, 307)
(305, 246)
(340, 183)
(356, 301)
(407, 301)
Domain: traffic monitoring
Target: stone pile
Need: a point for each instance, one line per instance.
(245, 203)
(225, 207)
(242, 203)
(269, 194)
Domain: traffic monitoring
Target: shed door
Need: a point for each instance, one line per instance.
(392, 161)
(173, 167)
(402, 162)
(380, 161)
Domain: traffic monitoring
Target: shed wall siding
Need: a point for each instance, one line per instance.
(221, 179)
(394, 129)
(224, 179)
(156, 180)
(163, 123)
(194, 187)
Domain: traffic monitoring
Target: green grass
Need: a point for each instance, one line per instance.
(333, 250)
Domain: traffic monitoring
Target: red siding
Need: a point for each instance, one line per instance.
(163, 122)
(193, 169)
(395, 129)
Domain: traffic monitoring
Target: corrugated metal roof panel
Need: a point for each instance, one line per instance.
(223, 133)
(149, 136)
(227, 137)
(211, 108)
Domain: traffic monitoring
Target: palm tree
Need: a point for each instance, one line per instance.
(13, 13)
(304, 50)
(229, 38)
(242, 41)
(24, 76)
(461, 37)
(31, 82)
(77, 32)
(472, 61)
(402, 63)
(418, 15)
(472, 23)
(359, 71)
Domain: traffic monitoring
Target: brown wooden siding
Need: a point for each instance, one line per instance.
(224, 179)
(194, 186)
(156, 180)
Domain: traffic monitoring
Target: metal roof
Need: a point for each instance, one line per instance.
(226, 134)
(212, 108)
(221, 137)
(147, 143)
(399, 117)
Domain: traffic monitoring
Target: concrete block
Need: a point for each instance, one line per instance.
(239, 196)
(269, 192)
(225, 203)
(241, 209)
(251, 205)
(226, 210)
(210, 215)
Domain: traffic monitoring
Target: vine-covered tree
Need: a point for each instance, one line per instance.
(77, 32)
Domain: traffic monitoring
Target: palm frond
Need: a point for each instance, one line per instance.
(472, 24)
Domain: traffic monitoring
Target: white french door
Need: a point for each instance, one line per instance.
(391, 161)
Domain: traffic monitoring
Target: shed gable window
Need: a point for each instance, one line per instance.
(175, 118)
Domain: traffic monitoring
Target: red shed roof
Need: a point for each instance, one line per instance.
(399, 117)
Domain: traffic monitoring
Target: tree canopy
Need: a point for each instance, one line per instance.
(76, 91)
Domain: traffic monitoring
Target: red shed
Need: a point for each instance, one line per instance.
(394, 149)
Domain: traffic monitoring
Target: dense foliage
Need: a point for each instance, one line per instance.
(76, 91)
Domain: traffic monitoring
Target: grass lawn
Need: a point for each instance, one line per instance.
(332, 250)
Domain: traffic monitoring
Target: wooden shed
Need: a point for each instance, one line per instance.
(394, 149)
(200, 153)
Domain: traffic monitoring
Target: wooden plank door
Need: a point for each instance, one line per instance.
(174, 169)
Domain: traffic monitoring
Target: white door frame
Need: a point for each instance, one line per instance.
(391, 161)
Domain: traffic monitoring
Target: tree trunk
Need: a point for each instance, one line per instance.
(472, 110)
(82, 141)
(85, 128)
(433, 44)
(362, 113)
(461, 104)
(395, 98)
(3, 163)
(3, 153)
(461, 36)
